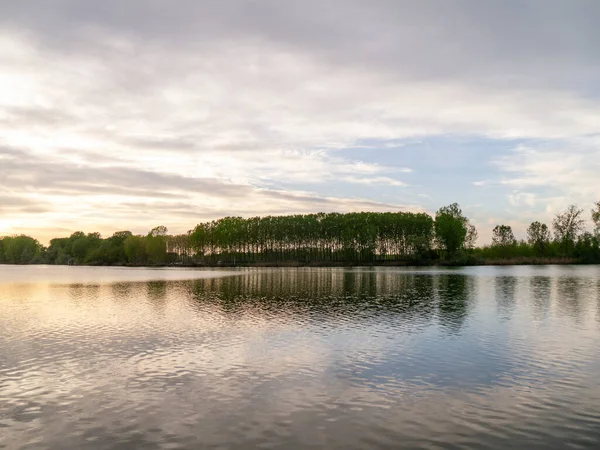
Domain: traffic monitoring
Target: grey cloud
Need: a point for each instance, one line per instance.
(84, 190)
(310, 198)
(14, 203)
(25, 173)
(35, 116)
(153, 211)
(11, 152)
(186, 144)
(516, 38)
(28, 172)
(129, 53)
(88, 157)
(159, 143)
(295, 205)
(33, 209)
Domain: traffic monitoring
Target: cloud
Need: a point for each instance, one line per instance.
(376, 180)
(461, 37)
(31, 173)
(224, 106)
(522, 198)
(113, 197)
(569, 170)
(10, 204)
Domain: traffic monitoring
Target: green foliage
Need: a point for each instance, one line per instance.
(179, 248)
(161, 230)
(20, 249)
(135, 249)
(567, 226)
(519, 250)
(538, 236)
(453, 231)
(502, 236)
(122, 248)
(587, 248)
(156, 245)
(353, 238)
(320, 237)
(503, 239)
(569, 243)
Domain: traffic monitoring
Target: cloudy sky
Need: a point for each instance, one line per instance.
(127, 114)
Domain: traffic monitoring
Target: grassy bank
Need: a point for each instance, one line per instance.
(466, 261)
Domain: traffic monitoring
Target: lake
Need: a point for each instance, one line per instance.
(123, 358)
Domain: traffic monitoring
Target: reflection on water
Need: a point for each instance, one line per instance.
(506, 288)
(540, 289)
(569, 292)
(454, 299)
(299, 358)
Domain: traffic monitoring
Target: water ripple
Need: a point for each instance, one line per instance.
(479, 358)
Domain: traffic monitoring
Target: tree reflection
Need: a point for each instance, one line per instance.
(121, 291)
(569, 298)
(505, 295)
(453, 301)
(598, 300)
(84, 293)
(339, 295)
(540, 291)
(157, 293)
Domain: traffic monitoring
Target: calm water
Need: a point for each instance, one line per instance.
(106, 358)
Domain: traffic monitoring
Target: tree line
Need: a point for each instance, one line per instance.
(355, 238)
(566, 239)
(122, 248)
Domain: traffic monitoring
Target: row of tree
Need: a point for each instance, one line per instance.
(567, 239)
(122, 248)
(324, 237)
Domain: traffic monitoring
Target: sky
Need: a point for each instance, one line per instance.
(128, 114)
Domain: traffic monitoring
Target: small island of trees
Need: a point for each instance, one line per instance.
(364, 238)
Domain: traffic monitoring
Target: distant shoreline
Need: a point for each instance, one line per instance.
(322, 240)
(482, 262)
(535, 261)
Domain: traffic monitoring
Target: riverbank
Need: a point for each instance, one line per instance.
(466, 262)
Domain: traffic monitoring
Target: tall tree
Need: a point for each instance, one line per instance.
(567, 225)
(451, 228)
(156, 245)
(587, 248)
(361, 236)
(538, 236)
(596, 218)
(135, 249)
(472, 235)
(502, 236)
(21, 249)
(160, 230)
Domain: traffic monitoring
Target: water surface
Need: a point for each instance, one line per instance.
(114, 358)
